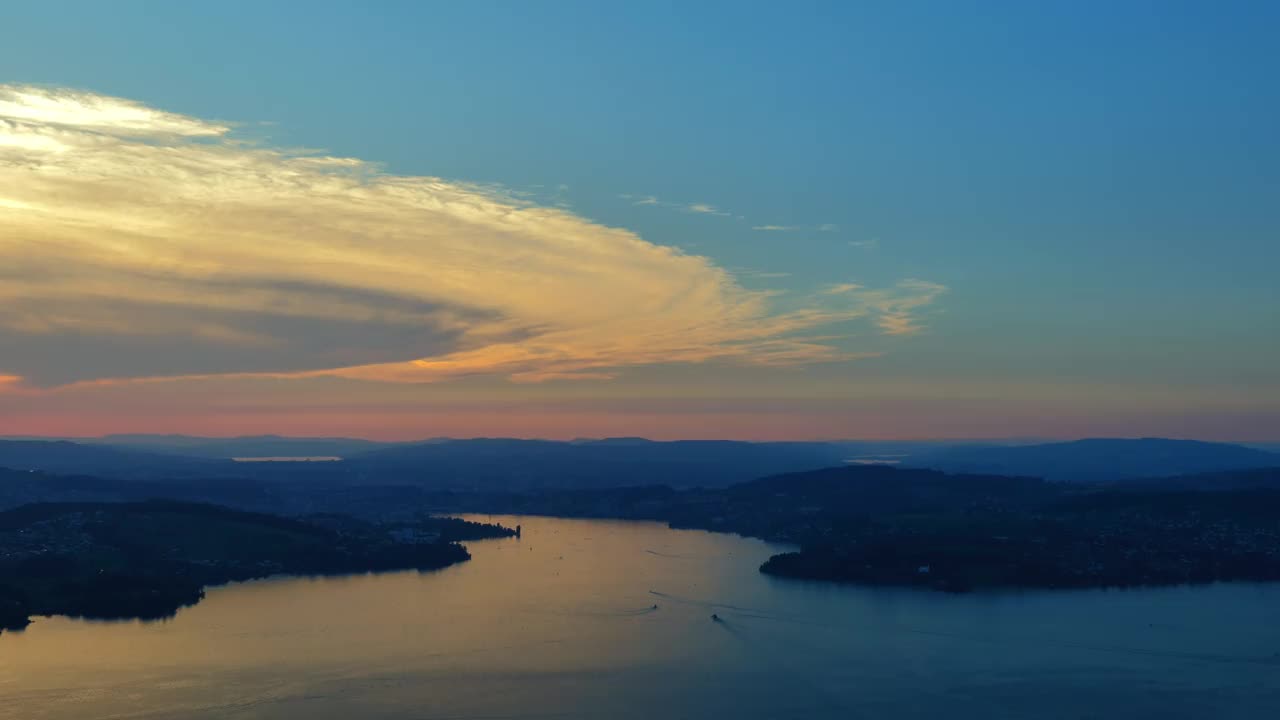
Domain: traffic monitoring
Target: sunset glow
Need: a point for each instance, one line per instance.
(360, 254)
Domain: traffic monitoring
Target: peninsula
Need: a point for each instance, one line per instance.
(148, 559)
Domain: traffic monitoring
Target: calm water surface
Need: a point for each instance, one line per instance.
(561, 624)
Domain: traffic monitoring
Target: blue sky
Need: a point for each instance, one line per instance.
(1095, 184)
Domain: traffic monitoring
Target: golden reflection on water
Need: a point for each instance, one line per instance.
(568, 597)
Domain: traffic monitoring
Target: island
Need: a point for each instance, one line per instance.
(148, 559)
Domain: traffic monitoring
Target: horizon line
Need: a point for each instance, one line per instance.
(450, 438)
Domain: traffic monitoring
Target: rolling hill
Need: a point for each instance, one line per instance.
(65, 457)
(1098, 460)
(515, 465)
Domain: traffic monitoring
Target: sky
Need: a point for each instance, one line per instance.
(732, 220)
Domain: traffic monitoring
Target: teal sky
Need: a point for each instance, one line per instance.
(1095, 185)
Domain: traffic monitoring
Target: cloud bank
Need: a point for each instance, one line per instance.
(137, 243)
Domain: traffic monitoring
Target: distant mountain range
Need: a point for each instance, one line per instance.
(248, 446)
(1097, 460)
(479, 464)
(517, 465)
(62, 456)
(500, 464)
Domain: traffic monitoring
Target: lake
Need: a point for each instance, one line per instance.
(560, 624)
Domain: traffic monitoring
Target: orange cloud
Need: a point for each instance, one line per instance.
(141, 243)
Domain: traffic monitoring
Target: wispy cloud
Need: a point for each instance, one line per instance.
(841, 288)
(705, 209)
(698, 208)
(137, 243)
(894, 309)
(870, 244)
(702, 208)
(897, 309)
(825, 227)
(86, 111)
(759, 274)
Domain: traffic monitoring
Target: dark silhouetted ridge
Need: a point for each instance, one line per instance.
(1099, 459)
